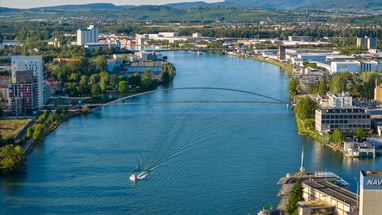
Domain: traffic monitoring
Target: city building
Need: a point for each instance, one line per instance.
(89, 35)
(378, 92)
(344, 201)
(340, 101)
(23, 93)
(371, 43)
(370, 193)
(348, 66)
(366, 42)
(346, 119)
(155, 67)
(27, 70)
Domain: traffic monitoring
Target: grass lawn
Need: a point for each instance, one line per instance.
(10, 127)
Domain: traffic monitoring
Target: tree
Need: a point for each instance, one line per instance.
(337, 137)
(134, 80)
(123, 86)
(306, 108)
(293, 87)
(13, 157)
(360, 133)
(294, 197)
(95, 90)
(101, 62)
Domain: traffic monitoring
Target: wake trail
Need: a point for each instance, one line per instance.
(187, 144)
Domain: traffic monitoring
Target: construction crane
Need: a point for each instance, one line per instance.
(61, 60)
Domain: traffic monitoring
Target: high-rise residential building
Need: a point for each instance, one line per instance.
(89, 35)
(371, 43)
(26, 85)
(370, 192)
(366, 42)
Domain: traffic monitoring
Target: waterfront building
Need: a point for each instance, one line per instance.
(344, 201)
(89, 35)
(370, 193)
(359, 150)
(23, 94)
(26, 85)
(140, 67)
(346, 119)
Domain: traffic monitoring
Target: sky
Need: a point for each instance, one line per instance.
(42, 3)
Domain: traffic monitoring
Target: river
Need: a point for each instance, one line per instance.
(215, 157)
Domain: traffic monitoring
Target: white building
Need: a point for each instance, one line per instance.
(33, 63)
(340, 101)
(89, 35)
(348, 66)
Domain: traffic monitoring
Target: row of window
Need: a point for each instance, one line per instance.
(346, 116)
(338, 121)
(332, 127)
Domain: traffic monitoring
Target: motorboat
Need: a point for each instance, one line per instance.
(138, 176)
(133, 177)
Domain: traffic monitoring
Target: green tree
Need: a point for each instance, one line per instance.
(147, 81)
(306, 107)
(123, 86)
(104, 80)
(13, 157)
(294, 197)
(95, 89)
(293, 87)
(101, 62)
(134, 80)
(337, 137)
(360, 133)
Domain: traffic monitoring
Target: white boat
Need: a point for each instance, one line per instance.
(133, 177)
(138, 176)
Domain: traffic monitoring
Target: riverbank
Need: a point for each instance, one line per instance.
(324, 140)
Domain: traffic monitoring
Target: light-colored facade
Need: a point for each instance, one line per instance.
(346, 119)
(19, 64)
(378, 93)
(89, 35)
(345, 201)
(340, 101)
(348, 66)
(370, 193)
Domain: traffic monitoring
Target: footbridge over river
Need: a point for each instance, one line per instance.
(126, 101)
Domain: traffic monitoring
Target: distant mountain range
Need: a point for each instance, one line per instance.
(324, 5)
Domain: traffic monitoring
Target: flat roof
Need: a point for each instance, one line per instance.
(334, 191)
(371, 173)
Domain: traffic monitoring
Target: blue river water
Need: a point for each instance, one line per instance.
(204, 158)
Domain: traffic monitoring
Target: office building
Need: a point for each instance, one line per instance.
(346, 119)
(370, 193)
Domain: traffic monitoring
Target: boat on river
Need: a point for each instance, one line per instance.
(138, 176)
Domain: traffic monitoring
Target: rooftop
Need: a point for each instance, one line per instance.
(371, 173)
(333, 190)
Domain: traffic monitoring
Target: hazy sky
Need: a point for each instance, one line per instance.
(42, 3)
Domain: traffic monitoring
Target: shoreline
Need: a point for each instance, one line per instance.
(313, 135)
